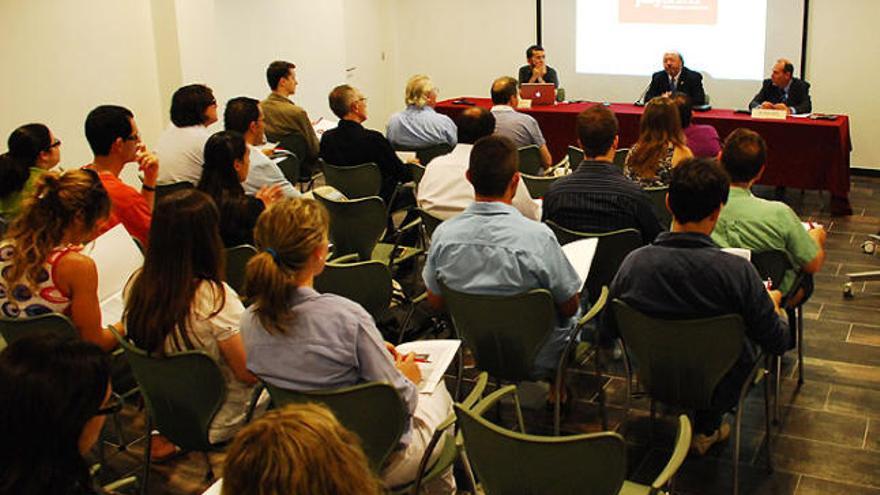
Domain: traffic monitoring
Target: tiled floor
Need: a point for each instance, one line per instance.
(829, 439)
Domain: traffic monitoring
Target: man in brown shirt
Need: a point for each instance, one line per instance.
(284, 118)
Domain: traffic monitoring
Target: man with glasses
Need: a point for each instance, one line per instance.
(114, 140)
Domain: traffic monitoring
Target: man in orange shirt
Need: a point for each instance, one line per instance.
(114, 139)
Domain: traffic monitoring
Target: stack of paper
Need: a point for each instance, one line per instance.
(116, 257)
(433, 357)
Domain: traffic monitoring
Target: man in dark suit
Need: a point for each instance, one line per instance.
(784, 92)
(675, 77)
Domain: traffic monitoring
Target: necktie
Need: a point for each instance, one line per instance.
(672, 87)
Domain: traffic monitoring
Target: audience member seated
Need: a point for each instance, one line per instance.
(33, 149)
(243, 115)
(283, 117)
(444, 190)
(351, 144)
(181, 145)
(299, 339)
(56, 396)
(685, 275)
(761, 225)
(178, 302)
(537, 70)
(492, 249)
(301, 448)
(701, 139)
(43, 270)
(520, 128)
(660, 147)
(419, 126)
(114, 139)
(226, 166)
(597, 197)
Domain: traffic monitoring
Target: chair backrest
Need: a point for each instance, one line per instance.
(237, 258)
(417, 171)
(504, 333)
(290, 166)
(295, 143)
(509, 462)
(620, 156)
(425, 155)
(610, 252)
(575, 157)
(530, 160)
(355, 225)
(538, 186)
(374, 411)
(772, 265)
(429, 221)
(658, 201)
(47, 324)
(167, 189)
(367, 283)
(680, 361)
(182, 391)
(358, 181)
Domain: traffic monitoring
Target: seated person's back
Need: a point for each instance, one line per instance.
(597, 198)
(660, 147)
(285, 118)
(520, 128)
(702, 140)
(419, 126)
(181, 145)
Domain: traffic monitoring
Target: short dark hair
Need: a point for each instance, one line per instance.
(277, 71)
(494, 160)
(188, 105)
(596, 129)
(340, 100)
(239, 114)
(25, 145)
(685, 107)
(743, 155)
(219, 177)
(474, 123)
(502, 89)
(697, 187)
(104, 125)
(532, 49)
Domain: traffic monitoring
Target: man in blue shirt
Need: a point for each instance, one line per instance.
(419, 126)
(684, 275)
(492, 249)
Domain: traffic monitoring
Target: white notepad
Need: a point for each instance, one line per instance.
(116, 257)
(438, 354)
(580, 254)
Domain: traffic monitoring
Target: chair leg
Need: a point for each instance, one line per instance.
(145, 479)
(602, 413)
(778, 392)
(767, 431)
(799, 316)
(628, 401)
(468, 471)
(209, 476)
(459, 373)
(653, 409)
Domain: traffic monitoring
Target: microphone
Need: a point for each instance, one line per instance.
(641, 101)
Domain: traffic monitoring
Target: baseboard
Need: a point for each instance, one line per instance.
(865, 172)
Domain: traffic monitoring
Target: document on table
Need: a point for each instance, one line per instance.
(433, 357)
(116, 258)
(580, 254)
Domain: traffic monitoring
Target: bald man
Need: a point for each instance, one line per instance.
(675, 77)
(783, 91)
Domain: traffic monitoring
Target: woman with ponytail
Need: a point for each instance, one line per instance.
(41, 267)
(178, 301)
(32, 151)
(298, 339)
(227, 161)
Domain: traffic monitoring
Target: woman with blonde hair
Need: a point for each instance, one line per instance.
(661, 145)
(41, 267)
(300, 449)
(299, 339)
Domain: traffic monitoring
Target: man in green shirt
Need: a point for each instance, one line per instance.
(761, 225)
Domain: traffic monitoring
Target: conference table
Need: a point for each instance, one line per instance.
(802, 153)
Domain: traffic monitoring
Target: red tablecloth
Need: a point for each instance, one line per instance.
(801, 153)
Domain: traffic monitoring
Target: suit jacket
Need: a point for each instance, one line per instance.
(798, 95)
(689, 82)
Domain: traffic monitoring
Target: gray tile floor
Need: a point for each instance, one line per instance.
(829, 438)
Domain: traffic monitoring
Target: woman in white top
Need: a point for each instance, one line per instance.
(179, 302)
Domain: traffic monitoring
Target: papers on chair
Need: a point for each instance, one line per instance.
(434, 357)
(323, 125)
(406, 156)
(741, 252)
(116, 257)
(580, 254)
(215, 489)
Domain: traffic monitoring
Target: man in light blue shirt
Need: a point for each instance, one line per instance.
(520, 128)
(492, 249)
(419, 126)
(244, 115)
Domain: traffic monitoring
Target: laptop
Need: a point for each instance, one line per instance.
(539, 93)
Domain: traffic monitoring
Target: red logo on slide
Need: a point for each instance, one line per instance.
(669, 11)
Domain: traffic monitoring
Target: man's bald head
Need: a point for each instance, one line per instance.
(473, 124)
(503, 89)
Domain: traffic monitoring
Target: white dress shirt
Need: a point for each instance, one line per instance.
(181, 153)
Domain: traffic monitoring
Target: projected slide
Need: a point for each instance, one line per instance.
(722, 38)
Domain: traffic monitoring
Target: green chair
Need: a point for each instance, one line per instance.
(773, 265)
(658, 202)
(237, 258)
(530, 160)
(182, 393)
(356, 226)
(358, 181)
(429, 222)
(296, 170)
(289, 164)
(620, 157)
(164, 190)
(511, 462)
(505, 333)
(538, 186)
(367, 283)
(612, 249)
(575, 156)
(425, 155)
(417, 171)
(681, 362)
(47, 324)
